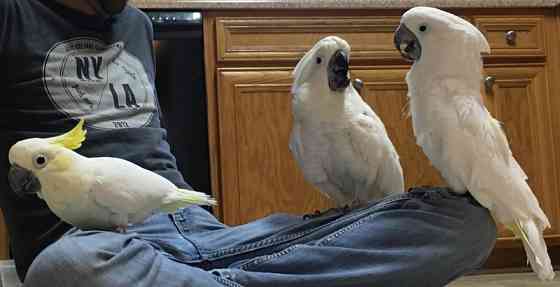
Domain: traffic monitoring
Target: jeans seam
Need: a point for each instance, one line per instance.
(218, 254)
(338, 233)
(269, 242)
(356, 224)
(267, 258)
(288, 250)
(257, 245)
(181, 230)
(227, 282)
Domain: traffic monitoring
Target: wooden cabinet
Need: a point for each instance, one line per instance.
(249, 61)
(256, 39)
(257, 167)
(520, 99)
(256, 120)
(515, 37)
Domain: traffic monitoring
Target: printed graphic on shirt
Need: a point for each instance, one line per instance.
(109, 87)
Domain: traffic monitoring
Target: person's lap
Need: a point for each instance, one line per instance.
(421, 238)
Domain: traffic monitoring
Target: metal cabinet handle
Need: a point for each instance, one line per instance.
(358, 85)
(511, 38)
(489, 82)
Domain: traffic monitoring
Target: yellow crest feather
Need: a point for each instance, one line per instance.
(72, 139)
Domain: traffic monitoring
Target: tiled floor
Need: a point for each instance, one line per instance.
(505, 280)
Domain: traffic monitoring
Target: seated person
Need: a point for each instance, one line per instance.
(67, 59)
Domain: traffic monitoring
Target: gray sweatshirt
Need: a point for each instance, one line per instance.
(58, 65)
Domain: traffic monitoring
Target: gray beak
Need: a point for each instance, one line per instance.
(337, 71)
(407, 43)
(22, 181)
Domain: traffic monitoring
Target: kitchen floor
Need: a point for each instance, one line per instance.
(505, 280)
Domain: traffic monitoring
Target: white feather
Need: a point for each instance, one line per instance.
(338, 141)
(102, 192)
(458, 134)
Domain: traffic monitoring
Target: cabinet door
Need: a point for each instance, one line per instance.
(519, 98)
(258, 173)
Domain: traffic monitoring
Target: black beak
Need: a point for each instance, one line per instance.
(407, 43)
(23, 182)
(338, 71)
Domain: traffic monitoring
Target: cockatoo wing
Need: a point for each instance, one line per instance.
(310, 148)
(498, 182)
(370, 143)
(296, 145)
(355, 161)
(127, 189)
(494, 168)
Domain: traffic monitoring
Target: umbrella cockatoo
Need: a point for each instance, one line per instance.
(340, 144)
(456, 131)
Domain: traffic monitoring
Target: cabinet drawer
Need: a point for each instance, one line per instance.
(513, 36)
(288, 38)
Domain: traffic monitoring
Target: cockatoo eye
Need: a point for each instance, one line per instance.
(319, 60)
(40, 161)
(423, 28)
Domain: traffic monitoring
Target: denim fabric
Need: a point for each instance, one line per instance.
(426, 237)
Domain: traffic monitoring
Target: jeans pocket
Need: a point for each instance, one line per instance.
(181, 248)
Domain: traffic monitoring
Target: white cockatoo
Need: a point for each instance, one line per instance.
(102, 192)
(340, 144)
(455, 130)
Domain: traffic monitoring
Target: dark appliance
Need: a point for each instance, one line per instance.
(179, 55)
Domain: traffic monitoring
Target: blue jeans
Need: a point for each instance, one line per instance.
(426, 237)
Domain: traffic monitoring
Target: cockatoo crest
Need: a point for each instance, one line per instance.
(39, 153)
(72, 139)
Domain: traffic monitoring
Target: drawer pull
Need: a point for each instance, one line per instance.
(358, 85)
(489, 83)
(511, 38)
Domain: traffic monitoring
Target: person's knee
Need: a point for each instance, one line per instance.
(478, 236)
(74, 260)
(54, 265)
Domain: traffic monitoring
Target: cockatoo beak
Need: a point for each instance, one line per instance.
(337, 71)
(22, 181)
(407, 43)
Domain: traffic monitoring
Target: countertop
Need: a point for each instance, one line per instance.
(505, 280)
(336, 4)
